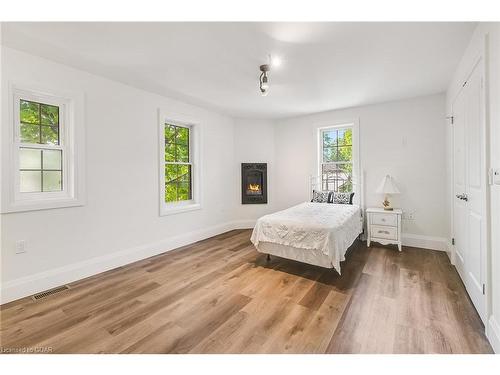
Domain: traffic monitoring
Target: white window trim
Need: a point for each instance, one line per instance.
(72, 143)
(195, 144)
(356, 165)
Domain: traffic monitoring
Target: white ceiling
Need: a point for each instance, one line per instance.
(325, 65)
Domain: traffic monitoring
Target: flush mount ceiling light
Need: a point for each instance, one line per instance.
(263, 80)
(275, 61)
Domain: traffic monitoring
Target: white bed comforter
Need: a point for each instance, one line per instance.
(330, 228)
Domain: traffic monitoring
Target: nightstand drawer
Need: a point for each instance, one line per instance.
(389, 233)
(384, 219)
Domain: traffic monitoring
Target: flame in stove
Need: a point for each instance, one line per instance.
(254, 187)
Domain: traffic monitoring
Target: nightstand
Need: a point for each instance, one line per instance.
(384, 226)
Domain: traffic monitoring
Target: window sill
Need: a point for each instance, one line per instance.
(178, 208)
(46, 204)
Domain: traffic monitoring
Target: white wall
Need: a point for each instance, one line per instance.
(405, 139)
(120, 221)
(487, 37)
(254, 142)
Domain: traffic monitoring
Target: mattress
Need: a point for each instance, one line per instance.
(310, 230)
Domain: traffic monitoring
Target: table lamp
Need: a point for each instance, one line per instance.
(387, 187)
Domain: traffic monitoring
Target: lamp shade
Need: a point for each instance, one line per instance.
(387, 186)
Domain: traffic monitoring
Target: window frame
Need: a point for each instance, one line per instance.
(71, 144)
(352, 124)
(194, 160)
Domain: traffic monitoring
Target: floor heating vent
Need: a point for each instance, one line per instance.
(47, 293)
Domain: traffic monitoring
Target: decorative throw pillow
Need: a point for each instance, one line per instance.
(350, 198)
(342, 198)
(320, 196)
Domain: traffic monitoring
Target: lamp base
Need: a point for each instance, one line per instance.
(387, 204)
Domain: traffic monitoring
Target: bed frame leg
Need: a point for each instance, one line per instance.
(268, 258)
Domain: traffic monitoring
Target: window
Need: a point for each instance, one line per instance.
(45, 166)
(179, 165)
(336, 158)
(40, 152)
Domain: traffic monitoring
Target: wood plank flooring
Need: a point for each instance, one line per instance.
(221, 296)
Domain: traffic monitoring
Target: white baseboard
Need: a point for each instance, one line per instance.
(425, 242)
(42, 281)
(449, 249)
(244, 224)
(493, 333)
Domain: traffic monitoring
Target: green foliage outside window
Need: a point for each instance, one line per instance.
(337, 145)
(39, 123)
(337, 160)
(177, 164)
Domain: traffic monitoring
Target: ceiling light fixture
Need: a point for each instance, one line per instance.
(275, 61)
(263, 80)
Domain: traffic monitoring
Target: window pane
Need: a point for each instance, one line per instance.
(30, 158)
(182, 136)
(30, 181)
(49, 114)
(52, 159)
(52, 181)
(169, 133)
(340, 136)
(346, 174)
(29, 112)
(177, 177)
(184, 192)
(171, 192)
(30, 133)
(330, 154)
(50, 135)
(185, 173)
(182, 154)
(345, 153)
(171, 173)
(345, 137)
(337, 177)
(169, 152)
(329, 138)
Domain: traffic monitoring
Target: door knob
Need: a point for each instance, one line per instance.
(464, 197)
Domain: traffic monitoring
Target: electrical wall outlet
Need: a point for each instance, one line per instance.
(20, 246)
(408, 215)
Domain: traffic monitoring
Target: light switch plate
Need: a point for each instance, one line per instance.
(495, 173)
(20, 246)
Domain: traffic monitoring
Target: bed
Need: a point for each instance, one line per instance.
(315, 233)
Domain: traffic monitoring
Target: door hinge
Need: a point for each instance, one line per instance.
(464, 83)
(453, 241)
(451, 119)
(484, 289)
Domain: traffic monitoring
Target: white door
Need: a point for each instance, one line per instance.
(470, 188)
(476, 190)
(459, 204)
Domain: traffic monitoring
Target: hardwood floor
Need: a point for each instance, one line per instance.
(221, 296)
